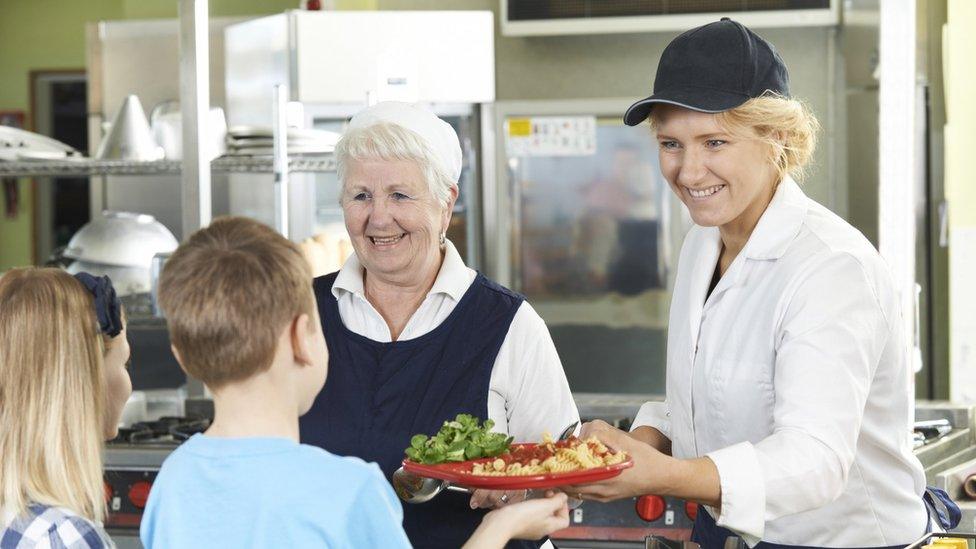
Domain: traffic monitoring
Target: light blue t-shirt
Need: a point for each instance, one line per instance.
(268, 492)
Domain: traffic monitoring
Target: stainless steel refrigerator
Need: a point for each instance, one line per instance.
(580, 221)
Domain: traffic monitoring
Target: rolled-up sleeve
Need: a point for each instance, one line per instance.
(529, 394)
(832, 334)
(654, 414)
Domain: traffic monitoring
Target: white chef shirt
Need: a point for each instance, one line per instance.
(792, 377)
(527, 394)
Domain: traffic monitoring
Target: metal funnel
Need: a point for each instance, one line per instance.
(130, 137)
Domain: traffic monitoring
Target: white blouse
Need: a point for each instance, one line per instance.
(528, 393)
(792, 376)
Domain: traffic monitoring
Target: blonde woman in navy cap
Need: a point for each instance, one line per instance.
(789, 395)
(416, 337)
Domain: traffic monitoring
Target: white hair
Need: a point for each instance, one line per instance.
(388, 141)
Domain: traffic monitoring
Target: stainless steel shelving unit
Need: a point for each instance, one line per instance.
(86, 168)
(308, 164)
(194, 169)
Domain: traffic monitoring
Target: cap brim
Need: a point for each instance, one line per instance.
(710, 101)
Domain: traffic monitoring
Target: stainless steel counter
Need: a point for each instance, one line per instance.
(951, 460)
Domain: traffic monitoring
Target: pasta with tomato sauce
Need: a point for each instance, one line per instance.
(551, 456)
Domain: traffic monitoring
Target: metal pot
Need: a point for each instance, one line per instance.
(121, 239)
(126, 280)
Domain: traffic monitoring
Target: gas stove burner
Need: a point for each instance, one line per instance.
(130, 435)
(189, 428)
(165, 429)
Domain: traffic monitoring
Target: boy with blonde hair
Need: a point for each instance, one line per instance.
(238, 301)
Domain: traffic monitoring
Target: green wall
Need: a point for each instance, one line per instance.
(38, 34)
(50, 34)
(155, 9)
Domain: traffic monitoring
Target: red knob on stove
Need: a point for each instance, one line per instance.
(691, 509)
(108, 491)
(650, 508)
(139, 493)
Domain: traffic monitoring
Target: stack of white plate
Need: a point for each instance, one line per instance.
(258, 141)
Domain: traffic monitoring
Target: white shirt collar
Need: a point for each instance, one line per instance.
(779, 224)
(452, 279)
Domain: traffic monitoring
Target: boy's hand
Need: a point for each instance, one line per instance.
(532, 519)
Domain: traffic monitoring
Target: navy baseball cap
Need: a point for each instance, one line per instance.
(714, 68)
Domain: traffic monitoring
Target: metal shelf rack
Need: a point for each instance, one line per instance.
(85, 168)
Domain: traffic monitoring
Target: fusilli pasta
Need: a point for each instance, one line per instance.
(551, 457)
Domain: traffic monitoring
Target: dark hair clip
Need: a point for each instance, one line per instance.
(108, 308)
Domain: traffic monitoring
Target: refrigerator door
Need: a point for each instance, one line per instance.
(595, 231)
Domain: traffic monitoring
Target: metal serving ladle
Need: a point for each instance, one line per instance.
(413, 488)
(417, 489)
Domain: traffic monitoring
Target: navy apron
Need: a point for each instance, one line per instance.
(378, 395)
(711, 536)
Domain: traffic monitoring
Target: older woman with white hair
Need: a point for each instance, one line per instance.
(415, 337)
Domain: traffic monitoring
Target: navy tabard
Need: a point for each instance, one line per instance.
(378, 395)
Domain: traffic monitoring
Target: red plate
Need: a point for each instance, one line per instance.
(459, 473)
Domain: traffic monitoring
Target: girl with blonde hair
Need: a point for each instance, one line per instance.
(788, 405)
(63, 384)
